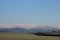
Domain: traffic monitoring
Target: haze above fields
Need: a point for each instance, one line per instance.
(27, 26)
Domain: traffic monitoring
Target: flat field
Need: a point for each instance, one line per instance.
(24, 36)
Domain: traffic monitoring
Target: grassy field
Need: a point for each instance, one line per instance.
(21, 36)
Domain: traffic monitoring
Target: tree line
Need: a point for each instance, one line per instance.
(52, 33)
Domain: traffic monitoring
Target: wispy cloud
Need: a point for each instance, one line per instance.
(27, 26)
(17, 25)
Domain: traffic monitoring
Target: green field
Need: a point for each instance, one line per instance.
(21, 36)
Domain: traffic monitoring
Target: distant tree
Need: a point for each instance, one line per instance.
(53, 31)
(38, 33)
(58, 31)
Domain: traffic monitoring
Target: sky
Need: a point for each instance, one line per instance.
(42, 12)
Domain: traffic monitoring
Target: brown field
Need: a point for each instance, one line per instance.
(24, 36)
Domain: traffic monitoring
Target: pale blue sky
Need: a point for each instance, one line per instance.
(43, 12)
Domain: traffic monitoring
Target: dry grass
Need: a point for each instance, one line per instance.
(21, 36)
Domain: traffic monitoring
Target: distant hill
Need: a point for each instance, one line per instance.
(26, 30)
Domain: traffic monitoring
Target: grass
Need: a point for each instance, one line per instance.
(22, 36)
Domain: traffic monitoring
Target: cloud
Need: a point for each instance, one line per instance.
(27, 26)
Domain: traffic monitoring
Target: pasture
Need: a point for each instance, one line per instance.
(24, 36)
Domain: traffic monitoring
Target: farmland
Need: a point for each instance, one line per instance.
(24, 36)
